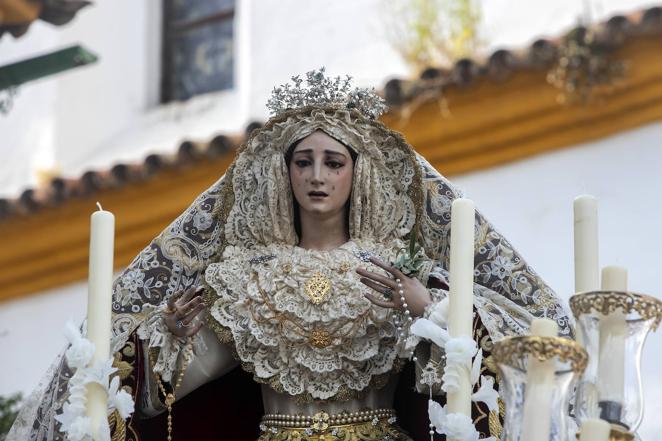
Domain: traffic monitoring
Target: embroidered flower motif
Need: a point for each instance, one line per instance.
(202, 220)
(502, 267)
(133, 279)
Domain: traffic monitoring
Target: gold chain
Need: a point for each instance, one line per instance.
(170, 396)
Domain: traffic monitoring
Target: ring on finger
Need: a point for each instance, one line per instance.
(169, 309)
(180, 324)
(387, 293)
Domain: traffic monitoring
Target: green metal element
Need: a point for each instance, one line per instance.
(16, 74)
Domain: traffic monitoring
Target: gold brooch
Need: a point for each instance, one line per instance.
(321, 421)
(344, 267)
(317, 288)
(319, 338)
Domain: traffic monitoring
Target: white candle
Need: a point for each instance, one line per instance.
(537, 413)
(586, 243)
(460, 316)
(614, 278)
(594, 429)
(100, 280)
(613, 331)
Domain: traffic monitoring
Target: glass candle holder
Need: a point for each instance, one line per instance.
(613, 326)
(535, 409)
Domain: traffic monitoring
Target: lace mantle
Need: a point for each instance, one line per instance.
(307, 345)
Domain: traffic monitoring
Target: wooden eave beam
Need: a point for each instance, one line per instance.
(49, 248)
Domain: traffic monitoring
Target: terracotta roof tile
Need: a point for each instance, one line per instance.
(60, 189)
(503, 62)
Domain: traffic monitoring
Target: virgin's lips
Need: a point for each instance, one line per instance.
(317, 194)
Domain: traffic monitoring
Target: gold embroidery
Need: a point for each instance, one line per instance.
(320, 338)
(320, 421)
(344, 267)
(317, 288)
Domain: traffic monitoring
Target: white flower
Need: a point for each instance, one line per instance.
(79, 353)
(81, 350)
(459, 426)
(487, 394)
(439, 315)
(460, 349)
(454, 425)
(68, 415)
(427, 329)
(437, 414)
(80, 427)
(100, 372)
(120, 399)
(475, 367)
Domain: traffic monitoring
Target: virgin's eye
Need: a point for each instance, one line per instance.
(302, 162)
(334, 164)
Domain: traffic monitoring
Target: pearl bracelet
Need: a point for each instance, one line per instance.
(401, 293)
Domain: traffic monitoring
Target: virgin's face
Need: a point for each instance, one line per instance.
(321, 171)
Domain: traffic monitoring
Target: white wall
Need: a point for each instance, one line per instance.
(31, 334)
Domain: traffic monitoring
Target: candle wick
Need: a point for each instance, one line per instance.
(99, 205)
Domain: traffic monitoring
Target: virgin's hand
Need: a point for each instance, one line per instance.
(416, 295)
(183, 308)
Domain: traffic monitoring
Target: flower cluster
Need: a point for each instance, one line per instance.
(459, 353)
(73, 420)
(323, 91)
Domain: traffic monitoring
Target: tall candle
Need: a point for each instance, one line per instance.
(460, 302)
(613, 331)
(586, 243)
(594, 429)
(100, 280)
(537, 413)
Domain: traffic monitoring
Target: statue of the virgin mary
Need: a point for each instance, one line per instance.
(279, 305)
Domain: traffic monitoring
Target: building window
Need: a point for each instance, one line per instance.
(197, 47)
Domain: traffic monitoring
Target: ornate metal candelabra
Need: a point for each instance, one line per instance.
(613, 326)
(514, 357)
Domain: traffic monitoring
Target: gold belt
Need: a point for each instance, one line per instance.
(321, 421)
